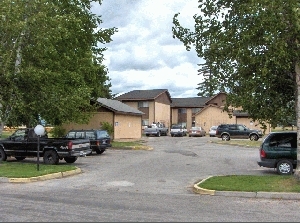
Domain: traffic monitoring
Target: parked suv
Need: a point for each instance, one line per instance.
(279, 150)
(237, 131)
(99, 139)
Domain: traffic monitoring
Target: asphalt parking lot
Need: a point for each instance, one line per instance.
(147, 185)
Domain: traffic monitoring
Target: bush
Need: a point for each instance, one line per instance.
(58, 131)
(108, 127)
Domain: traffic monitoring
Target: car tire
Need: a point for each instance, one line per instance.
(225, 137)
(253, 137)
(3, 156)
(70, 159)
(284, 167)
(51, 157)
(98, 151)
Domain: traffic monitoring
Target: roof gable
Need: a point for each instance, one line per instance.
(209, 101)
(207, 107)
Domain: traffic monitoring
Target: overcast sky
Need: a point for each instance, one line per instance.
(143, 54)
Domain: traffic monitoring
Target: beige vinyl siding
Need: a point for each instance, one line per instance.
(162, 113)
(127, 127)
(94, 123)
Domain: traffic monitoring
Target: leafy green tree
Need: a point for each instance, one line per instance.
(252, 50)
(51, 61)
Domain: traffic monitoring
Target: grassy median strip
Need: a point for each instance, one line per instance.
(25, 170)
(244, 142)
(126, 144)
(249, 183)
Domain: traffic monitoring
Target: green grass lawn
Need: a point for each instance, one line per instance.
(119, 144)
(236, 142)
(20, 169)
(251, 183)
(5, 134)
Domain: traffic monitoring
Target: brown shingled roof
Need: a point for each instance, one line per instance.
(137, 95)
(194, 102)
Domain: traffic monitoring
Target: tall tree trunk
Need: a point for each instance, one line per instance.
(1, 128)
(297, 69)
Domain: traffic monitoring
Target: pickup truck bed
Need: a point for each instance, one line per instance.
(24, 143)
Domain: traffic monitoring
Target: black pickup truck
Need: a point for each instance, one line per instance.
(24, 143)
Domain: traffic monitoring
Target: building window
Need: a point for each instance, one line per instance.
(145, 122)
(181, 110)
(183, 124)
(143, 104)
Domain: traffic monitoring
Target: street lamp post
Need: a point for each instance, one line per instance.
(39, 130)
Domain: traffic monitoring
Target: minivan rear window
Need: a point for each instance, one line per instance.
(283, 140)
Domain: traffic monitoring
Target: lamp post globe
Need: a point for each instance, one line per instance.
(39, 130)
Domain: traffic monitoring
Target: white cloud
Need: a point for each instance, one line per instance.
(143, 54)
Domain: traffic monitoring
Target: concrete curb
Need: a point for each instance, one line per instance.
(266, 195)
(41, 178)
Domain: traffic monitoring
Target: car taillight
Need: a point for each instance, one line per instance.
(262, 153)
(70, 145)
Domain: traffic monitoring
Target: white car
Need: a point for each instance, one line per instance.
(212, 131)
(178, 130)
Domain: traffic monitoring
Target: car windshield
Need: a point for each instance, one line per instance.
(102, 134)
